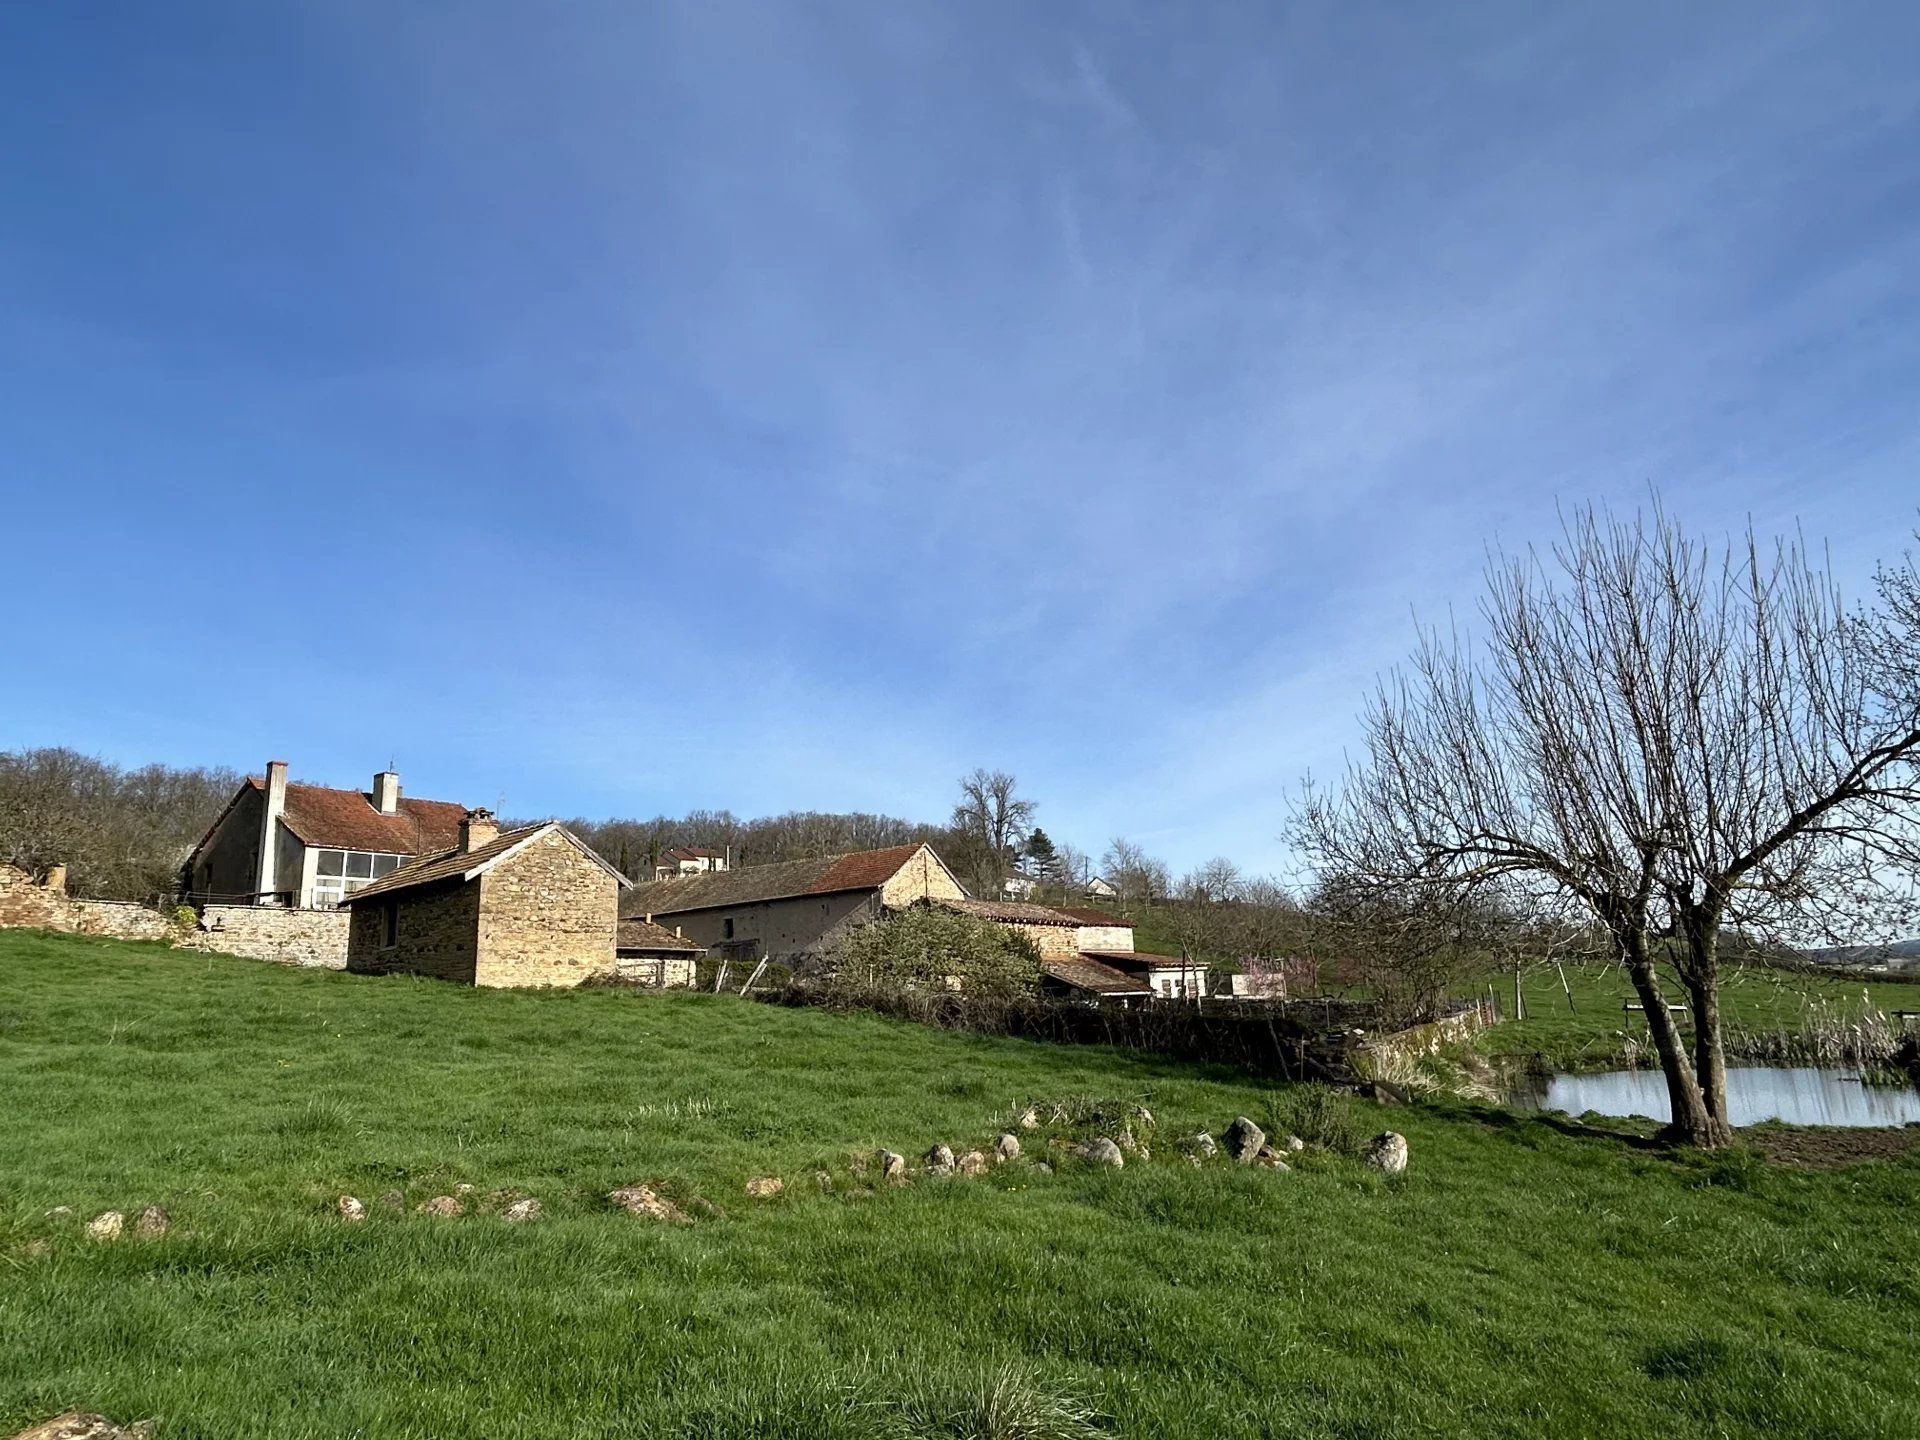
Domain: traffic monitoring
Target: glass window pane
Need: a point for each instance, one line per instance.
(383, 864)
(360, 865)
(330, 861)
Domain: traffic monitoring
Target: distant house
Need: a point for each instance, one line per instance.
(311, 846)
(688, 860)
(532, 906)
(1018, 887)
(1168, 976)
(796, 909)
(1098, 889)
(650, 953)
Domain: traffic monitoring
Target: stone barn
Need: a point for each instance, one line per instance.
(533, 906)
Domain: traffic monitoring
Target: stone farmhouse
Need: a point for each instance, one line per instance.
(308, 847)
(649, 953)
(794, 910)
(532, 906)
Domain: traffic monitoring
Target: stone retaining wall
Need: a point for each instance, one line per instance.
(265, 932)
(29, 903)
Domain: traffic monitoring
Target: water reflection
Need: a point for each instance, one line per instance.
(1797, 1095)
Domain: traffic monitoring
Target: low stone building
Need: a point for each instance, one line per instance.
(795, 910)
(1052, 931)
(1078, 977)
(648, 953)
(533, 906)
(1169, 976)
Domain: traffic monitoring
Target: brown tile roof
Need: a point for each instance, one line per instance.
(752, 884)
(1083, 973)
(1081, 915)
(1009, 912)
(347, 820)
(453, 864)
(692, 852)
(1134, 959)
(641, 934)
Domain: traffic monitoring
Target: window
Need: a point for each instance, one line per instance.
(727, 933)
(338, 873)
(390, 925)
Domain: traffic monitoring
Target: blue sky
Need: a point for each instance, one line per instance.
(622, 407)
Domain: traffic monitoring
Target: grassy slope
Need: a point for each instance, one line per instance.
(1517, 1282)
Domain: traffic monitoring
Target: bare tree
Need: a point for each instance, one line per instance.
(1666, 736)
(990, 821)
(1217, 880)
(1138, 876)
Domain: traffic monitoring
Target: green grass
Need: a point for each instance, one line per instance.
(1519, 1280)
(1592, 1032)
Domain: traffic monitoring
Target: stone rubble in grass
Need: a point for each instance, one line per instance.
(893, 1166)
(153, 1223)
(1244, 1139)
(521, 1210)
(463, 1191)
(824, 1179)
(350, 1208)
(1043, 1168)
(1387, 1152)
(971, 1163)
(60, 1212)
(107, 1225)
(940, 1160)
(85, 1425)
(1102, 1152)
(1143, 1115)
(641, 1200)
(765, 1187)
(1203, 1147)
(1029, 1119)
(1006, 1146)
(444, 1207)
(1295, 1144)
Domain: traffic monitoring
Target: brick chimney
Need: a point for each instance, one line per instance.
(57, 879)
(477, 828)
(276, 806)
(386, 792)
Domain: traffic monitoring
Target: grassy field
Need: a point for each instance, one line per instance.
(1522, 1279)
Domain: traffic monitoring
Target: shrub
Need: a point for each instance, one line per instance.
(927, 948)
(1318, 1114)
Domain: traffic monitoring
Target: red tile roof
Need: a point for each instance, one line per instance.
(1090, 975)
(753, 884)
(453, 864)
(692, 852)
(347, 820)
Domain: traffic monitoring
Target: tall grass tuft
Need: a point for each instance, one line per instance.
(1319, 1115)
(1011, 1402)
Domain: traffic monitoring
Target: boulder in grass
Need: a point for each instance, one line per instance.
(107, 1225)
(644, 1201)
(1006, 1146)
(350, 1208)
(1030, 1118)
(442, 1207)
(521, 1211)
(893, 1166)
(1387, 1152)
(84, 1425)
(153, 1223)
(1244, 1139)
(1202, 1146)
(1102, 1152)
(1294, 1144)
(765, 1187)
(940, 1160)
(971, 1163)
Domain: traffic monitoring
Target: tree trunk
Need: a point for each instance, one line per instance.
(1702, 979)
(1689, 1123)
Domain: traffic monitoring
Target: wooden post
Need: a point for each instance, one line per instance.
(1564, 985)
(720, 975)
(755, 975)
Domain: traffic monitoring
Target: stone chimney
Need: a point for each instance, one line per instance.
(57, 879)
(276, 806)
(477, 828)
(386, 792)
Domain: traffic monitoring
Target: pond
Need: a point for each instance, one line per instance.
(1797, 1095)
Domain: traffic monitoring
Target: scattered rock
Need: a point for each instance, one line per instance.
(765, 1187)
(940, 1160)
(1029, 1119)
(1006, 1146)
(107, 1225)
(1203, 1147)
(1143, 1115)
(152, 1224)
(521, 1210)
(642, 1201)
(1043, 1168)
(971, 1163)
(1244, 1139)
(60, 1212)
(824, 1179)
(350, 1208)
(1387, 1152)
(1102, 1152)
(1295, 1144)
(892, 1166)
(463, 1191)
(1384, 1092)
(443, 1206)
(82, 1425)
(392, 1200)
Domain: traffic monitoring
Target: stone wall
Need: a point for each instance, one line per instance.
(548, 913)
(1050, 940)
(661, 972)
(266, 932)
(435, 933)
(28, 903)
(923, 877)
(121, 920)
